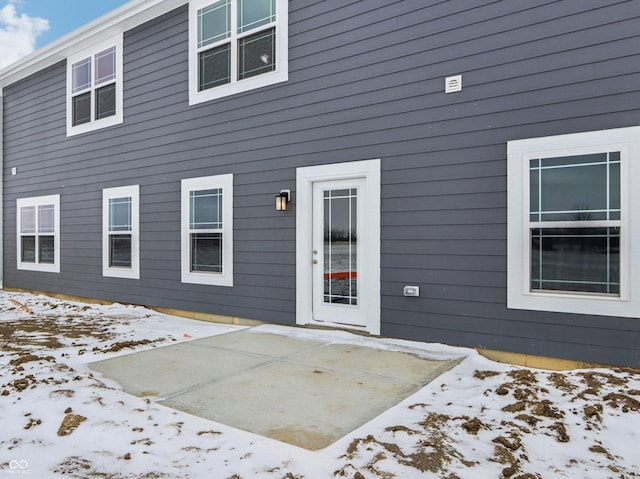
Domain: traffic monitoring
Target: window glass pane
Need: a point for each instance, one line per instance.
(82, 109)
(105, 65)
(81, 75)
(46, 219)
(614, 187)
(575, 188)
(254, 13)
(340, 246)
(576, 260)
(215, 67)
(28, 244)
(28, 219)
(575, 192)
(257, 54)
(206, 252)
(46, 252)
(120, 214)
(214, 23)
(106, 101)
(120, 251)
(205, 209)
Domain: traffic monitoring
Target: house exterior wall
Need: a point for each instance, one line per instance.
(366, 80)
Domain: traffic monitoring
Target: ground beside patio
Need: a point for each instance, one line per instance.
(481, 419)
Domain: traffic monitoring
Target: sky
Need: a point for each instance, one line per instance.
(26, 25)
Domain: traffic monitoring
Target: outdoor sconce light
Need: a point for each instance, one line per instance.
(282, 199)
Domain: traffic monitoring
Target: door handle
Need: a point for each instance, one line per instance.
(315, 261)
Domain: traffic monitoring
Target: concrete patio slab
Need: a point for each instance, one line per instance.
(307, 392)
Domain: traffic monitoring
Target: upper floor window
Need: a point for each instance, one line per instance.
(207, 230)
(121, 232)
(235, 46)
(571, 223)
(94, 87)
(38, 228)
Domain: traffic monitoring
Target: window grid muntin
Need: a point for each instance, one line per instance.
(270, 18)
(233, 40)
(109, 52)
(608, 163)
(202, 43)
(612, 158)
(612, 285)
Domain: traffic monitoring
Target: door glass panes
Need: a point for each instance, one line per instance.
(257, 54)
(340, 246)
(576, 259)
(206, 209)
(215, 67)
(105, 65)
(206, 252)
(575, 188)
(214, 23)
(81, 75)
(255, 13)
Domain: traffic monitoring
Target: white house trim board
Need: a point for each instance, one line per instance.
(369, 267)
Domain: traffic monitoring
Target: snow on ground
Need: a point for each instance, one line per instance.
(480, 420)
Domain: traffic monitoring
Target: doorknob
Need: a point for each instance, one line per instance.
(315, 261)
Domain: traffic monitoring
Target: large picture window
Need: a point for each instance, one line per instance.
(38, 239)
(571, 223)
(207, 230)
(121, 236)
(94, 87)
(236, 45)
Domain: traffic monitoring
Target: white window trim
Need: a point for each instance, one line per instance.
(133, 192)
(280, 74)
(116, 119)
(208, 182)
(519, 152)
(39, 201)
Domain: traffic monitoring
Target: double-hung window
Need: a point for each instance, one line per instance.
(121, 236)
(571, 223)
(94, 87)
(38, 228)
(236, 45)
(207, 230)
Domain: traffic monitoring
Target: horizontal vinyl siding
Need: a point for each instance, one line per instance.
(366, 80)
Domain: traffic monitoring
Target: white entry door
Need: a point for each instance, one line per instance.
(338, 259)
(337, 251)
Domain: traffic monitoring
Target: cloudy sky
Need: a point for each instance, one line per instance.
(26, 25)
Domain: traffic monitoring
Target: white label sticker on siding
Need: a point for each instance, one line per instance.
(453, 84)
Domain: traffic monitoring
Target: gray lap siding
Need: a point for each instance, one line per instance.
(366, 80)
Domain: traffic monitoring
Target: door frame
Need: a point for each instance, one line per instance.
(369, 170)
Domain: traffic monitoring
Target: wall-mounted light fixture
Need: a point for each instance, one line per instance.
(282, 199)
